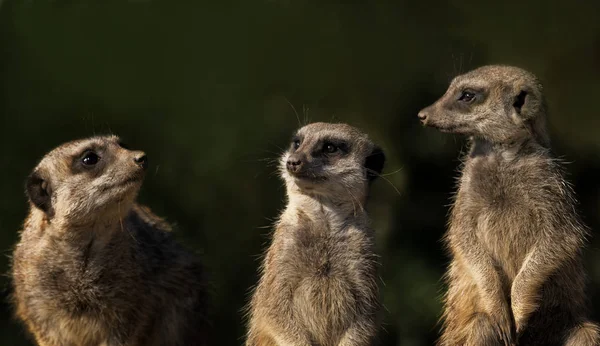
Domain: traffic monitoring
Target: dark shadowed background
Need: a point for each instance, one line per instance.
(210, 90)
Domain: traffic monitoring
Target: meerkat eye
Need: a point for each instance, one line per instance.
(296, 144)
(467, 96)
(330, 148)
(90, 158)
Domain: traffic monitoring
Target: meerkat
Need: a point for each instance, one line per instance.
(516, 275)
(93, 268)
(318, 284)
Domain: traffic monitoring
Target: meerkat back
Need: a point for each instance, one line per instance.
(318, 281)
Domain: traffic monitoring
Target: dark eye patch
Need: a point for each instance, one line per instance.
(296, 141)
(465, 98)
(475, 92)
(330, 148)
(87, 159)
(90, 159)
(334, 145)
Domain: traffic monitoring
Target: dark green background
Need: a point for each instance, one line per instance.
(206, 89)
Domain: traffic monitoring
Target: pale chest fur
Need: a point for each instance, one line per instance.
(326, 271)
(82, 330)
(500, 204)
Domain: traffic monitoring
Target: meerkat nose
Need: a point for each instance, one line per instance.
(294, 164)
(423, 116)
(141, 160)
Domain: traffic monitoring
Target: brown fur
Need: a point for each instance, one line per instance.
(318, 284)
(516, 275)
(92, 267)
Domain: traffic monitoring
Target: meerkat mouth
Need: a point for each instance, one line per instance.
(306, 177)
(132, 180)
(449, 128)
(135, 179)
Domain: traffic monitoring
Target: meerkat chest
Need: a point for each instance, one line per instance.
(82, 330)
(71, 282)
(331, 275)
(72, 296)
(497, 207)
(327, 255)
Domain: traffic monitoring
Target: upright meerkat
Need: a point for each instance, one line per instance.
(318, 284)
(92, 268)
(516, 275)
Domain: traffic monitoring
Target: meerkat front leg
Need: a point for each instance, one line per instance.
(493, 300)
(483, 269)
(492, 297)
(545, 257)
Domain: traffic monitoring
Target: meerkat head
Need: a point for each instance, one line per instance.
(500, 104)
(83, 180)
(331, 160)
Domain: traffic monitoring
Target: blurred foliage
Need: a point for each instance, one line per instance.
(213, 90)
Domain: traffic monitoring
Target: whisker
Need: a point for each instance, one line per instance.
(391, 173)
(351, 199)
(123, 229)
(266, 159)
(294, 109)
(278, 147)
(273, 152)
(386, 179)
(305, 111)
(354, 199)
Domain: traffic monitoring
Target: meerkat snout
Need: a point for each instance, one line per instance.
(141, 160)
(422, 116)
(294, 163)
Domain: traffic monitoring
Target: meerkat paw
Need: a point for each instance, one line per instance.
(524, 302)
(521, 313)
(505, 330)
(488, 331)
(501, 319)
(585, 334)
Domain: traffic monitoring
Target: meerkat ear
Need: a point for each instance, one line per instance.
(374, 163)
(39, 192)
(526, 103)
(520, 101)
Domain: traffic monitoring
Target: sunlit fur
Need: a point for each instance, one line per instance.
(92, 267)
(516, 275)
(318, 283)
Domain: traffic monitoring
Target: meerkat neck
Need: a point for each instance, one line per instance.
(507, 150)
(336, 212)
(101, 230)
